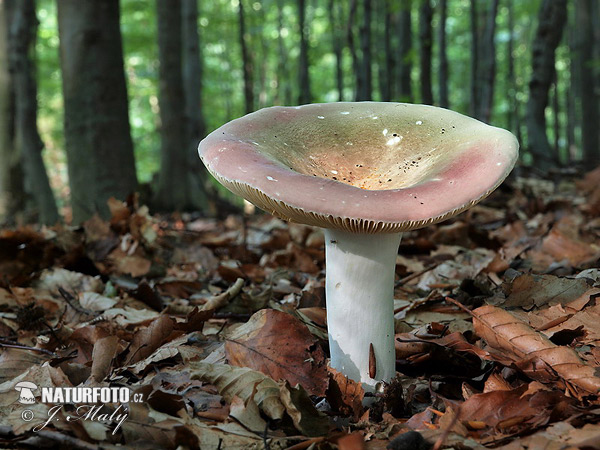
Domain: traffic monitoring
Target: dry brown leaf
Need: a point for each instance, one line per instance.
(531, 290)
(281, 346)
(560, 246)
(247, 413)
(148, 339)
(103, 354)
(502, 330)
(345, 395)
(307, 419)
(242, 382)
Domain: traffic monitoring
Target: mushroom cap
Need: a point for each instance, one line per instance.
(362, 167)
(25, 385)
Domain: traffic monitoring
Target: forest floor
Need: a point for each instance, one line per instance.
(219, 328)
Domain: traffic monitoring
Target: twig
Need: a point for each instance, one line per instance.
(446, 431)
(459, 305)
(4, 343)
(415, 275)
(70, 299)
(218, 301)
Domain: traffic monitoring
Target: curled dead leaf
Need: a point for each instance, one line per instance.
(502, 330)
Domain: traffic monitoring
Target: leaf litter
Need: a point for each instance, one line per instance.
(220, 326)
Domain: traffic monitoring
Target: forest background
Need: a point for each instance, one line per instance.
(102, 98)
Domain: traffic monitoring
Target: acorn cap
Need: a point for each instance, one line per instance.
(362, 167)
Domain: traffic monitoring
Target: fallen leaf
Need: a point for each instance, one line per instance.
(241, 382)
(502, 330)
(305, 416)
(280, 346)
(531, 290)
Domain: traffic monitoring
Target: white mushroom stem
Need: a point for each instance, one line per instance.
(360, 303)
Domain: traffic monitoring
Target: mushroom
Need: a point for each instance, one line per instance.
(25, 388)
(364, 172)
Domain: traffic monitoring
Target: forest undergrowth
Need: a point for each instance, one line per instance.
(220, 326)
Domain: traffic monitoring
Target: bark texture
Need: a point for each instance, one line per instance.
(336, 39)
(552, 18)
(192, 85)
(304, 79)
(589, 83)
(405, 52)
(12, 192)
(425, 39)
(247, 66)
(22, 37)
(179, 186)
(365, 74)
(486, 69)
(443, 70)
(97, 132)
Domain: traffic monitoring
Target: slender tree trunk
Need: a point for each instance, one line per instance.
(352, 45)
(510, 70)
(97, 133)
(247, 65)
(487, 65)
(425, 38)
(23, 33)
(589, 82)
(334, 23)
(192, 71)
(474, 59)
(304, 80)
(284, 91)
(405, 52)
(552, 18)
(173, 190)
(556, 121)
(572, 94)
(365, 78)
(263, 69)
(443, 70)
(12, 188)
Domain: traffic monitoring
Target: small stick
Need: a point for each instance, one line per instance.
(415, 275)
(218, 301)
(26, 347)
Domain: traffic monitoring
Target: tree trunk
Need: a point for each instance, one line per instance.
(487, 66)
(555, 117)
(511, 122)
(334, 22)
(588, 82)
(405, 52)
(387, 61)
(443, 70)
(284, 91)
(304, 80)
(174, 190)
(474, 59)
(192, 71)
(552, 18)
(247, 66)
(12, 190)
(365, 78)
(97, 133)
(425, 38)
(22, 37)
(352, 46)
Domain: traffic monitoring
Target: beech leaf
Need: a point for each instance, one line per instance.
(502, 330)
(242, 382)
